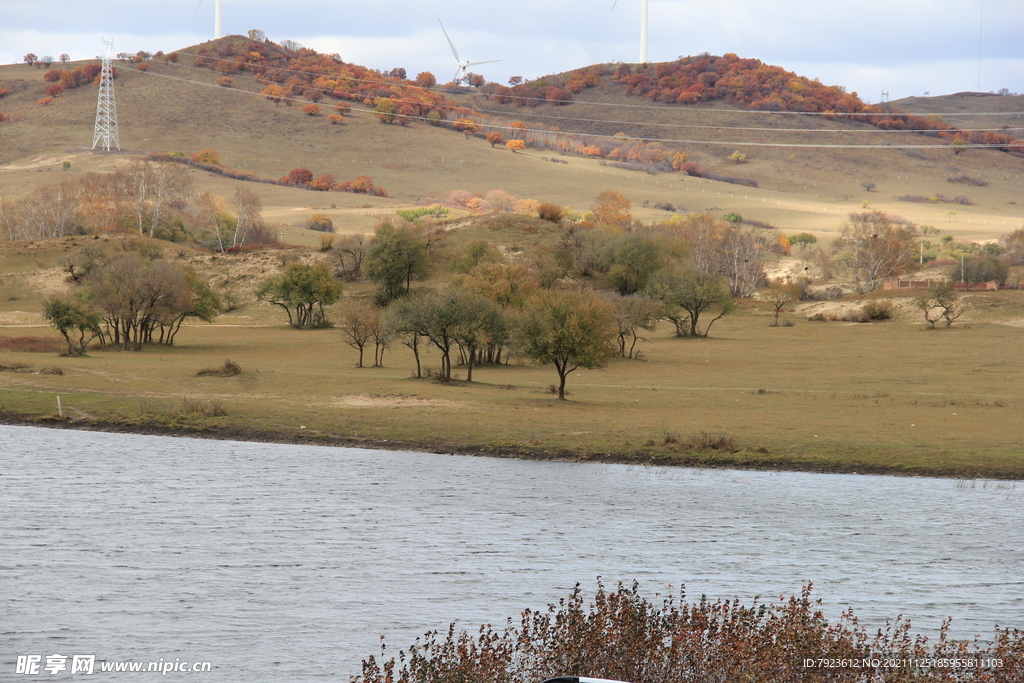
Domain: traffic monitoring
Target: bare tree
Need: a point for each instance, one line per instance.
(779, 293)
(210, 208)
(358, 323)
(703, 234)
(632, 314)
(134, 185)
(742, 252)
(102, 205)
(249, 210)
(874, 247)
(169, 183)
(351, 252)
(46, 212)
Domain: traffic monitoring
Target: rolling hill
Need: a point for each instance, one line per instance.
(809, 171)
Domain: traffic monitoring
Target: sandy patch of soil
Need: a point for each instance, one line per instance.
(393, 401)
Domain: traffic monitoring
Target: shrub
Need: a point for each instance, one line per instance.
(228, 369)
(320, 223)
(621, 634)
(199, 408)
(878, 310)
(550, 211)
(856, 317)
(207, 156)
(964, 179)
(706, 441)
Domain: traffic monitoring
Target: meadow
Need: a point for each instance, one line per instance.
(881, 397)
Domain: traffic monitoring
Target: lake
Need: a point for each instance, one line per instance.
(287, 563)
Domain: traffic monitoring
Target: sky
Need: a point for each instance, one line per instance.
(899, 47)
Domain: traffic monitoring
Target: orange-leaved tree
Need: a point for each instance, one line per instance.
(515, 145)
(274, 93)
(323, 183)
(612, 208)
(298, 176)
(310, 109)
(494, 138)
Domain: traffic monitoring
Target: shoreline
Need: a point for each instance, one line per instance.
(311, 437)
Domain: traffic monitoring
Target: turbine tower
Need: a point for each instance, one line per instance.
(106, 111)
(217, 32)
(460, 71)
(643, 28)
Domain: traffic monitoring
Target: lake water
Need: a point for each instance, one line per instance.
(286, 563)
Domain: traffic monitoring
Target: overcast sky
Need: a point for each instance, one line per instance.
(905, 47)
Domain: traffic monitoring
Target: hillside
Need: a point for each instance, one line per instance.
(172, 106)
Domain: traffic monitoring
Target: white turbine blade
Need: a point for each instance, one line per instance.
(613, 5)
(457, 72)
(489, 61)
(450, 43)
(197, 9)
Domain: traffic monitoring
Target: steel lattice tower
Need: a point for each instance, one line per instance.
(106, 109)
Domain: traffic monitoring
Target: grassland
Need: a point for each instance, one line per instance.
(888, 397)
(882, 397)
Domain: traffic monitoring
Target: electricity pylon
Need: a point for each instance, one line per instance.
(106, 108)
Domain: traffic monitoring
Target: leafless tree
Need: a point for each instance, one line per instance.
(249, 210)
(742, 252)
(874, 247)
(170, 183)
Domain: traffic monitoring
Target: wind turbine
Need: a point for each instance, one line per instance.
(643, 29)
(460, 72)
(217, 32)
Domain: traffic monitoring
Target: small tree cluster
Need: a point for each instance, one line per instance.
(302, 290)
(131, 301)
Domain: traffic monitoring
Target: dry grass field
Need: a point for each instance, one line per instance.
(881, 397)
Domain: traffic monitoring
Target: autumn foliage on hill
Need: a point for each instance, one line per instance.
(305, 74)
(751, 83)
(77, 77)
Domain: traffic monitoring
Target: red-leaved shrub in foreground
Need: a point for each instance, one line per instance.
(622, 636)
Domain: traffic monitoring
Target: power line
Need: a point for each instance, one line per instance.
(611, 137)
(555, 117)
(626, 105)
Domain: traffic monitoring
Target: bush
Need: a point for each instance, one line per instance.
(979, 269)
(964, 179)
(856, 317)
(621, 634)
(320, 223)
(228, 369)
(878, 310)
(706, 441)
(191, 407)
(550, 211)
